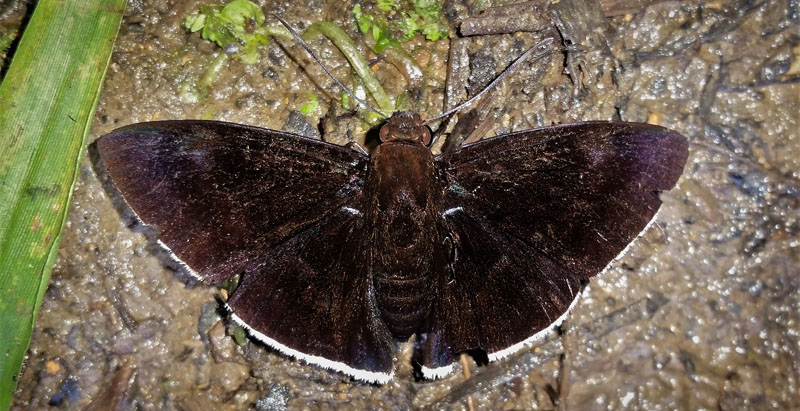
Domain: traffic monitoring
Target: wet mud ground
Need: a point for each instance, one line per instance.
(702, 312)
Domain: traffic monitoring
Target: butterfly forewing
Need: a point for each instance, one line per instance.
(579, 192)
(221, 194)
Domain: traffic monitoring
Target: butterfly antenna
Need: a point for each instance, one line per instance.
(314, 56)
(539, 49)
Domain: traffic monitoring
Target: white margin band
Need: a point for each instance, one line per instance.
(183, 265)
(361, 375)
(436, 373)
(535, 337)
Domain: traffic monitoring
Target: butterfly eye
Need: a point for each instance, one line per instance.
(384, 134)
(426, 137)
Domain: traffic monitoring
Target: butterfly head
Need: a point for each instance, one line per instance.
(405, 125)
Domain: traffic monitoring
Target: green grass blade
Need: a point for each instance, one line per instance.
(357, 61)
(47, 103)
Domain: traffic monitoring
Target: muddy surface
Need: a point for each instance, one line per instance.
(702, 312)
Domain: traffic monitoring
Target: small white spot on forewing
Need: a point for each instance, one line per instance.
(351, 210)
(452, 210)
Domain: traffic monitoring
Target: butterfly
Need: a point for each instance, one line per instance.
(343, 254)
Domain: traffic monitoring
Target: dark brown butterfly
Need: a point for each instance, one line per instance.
(343, 254)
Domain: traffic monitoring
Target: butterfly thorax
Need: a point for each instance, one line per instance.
(405, 125)
(402, 211)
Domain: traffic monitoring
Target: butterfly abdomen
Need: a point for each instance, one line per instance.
(404, 303)
(402, 212)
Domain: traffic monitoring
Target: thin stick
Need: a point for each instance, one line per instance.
(314, 56)
(465, 367)
(546, 42)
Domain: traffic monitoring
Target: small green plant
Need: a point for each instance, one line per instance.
(236, 26)
(400, 21)
(240, 336)
(311, 106)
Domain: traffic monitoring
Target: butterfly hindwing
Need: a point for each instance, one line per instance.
(497, 291)
(220, 194)
(309, 297)
(533, 213)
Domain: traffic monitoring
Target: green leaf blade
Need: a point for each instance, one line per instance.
(47, 101)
